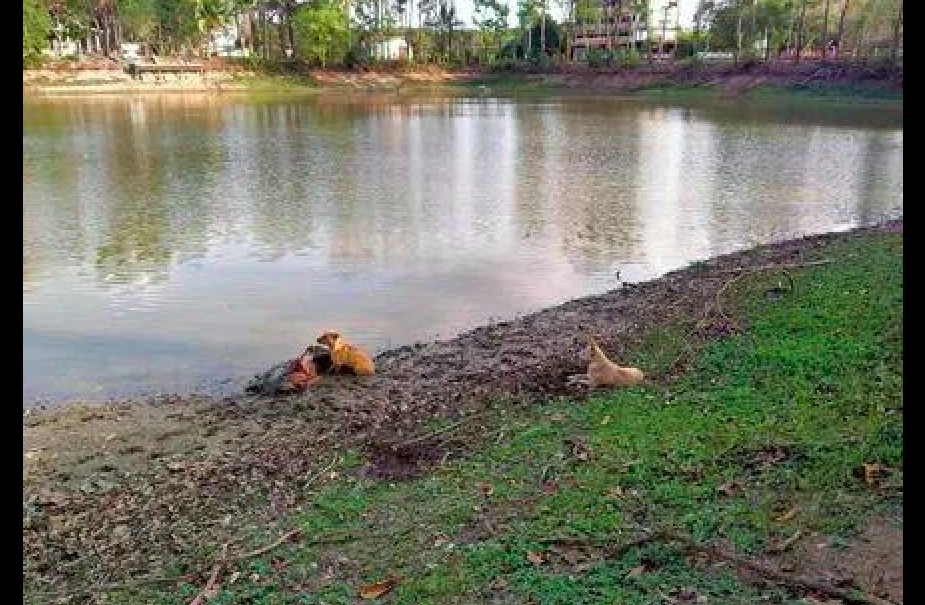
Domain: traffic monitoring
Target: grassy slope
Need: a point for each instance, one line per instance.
(775, 415)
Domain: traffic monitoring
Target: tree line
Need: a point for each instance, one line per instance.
(797, 28)
(348, 32)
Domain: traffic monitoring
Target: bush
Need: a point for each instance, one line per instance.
(630, 60)
(598, 58)
(36, 26)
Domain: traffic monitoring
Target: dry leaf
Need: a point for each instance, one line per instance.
(549, 487)
(688, 595)
(790, 514)
(615, 493)
(580, 450)
(636, 571)
(535, 557)
(374, 591)
(872, 473)
(729, 489)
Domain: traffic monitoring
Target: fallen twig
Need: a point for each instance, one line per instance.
(717, 307)
(321, 473)
(444, 429)
(207, 593)
(620, 549)
(849, 595)
(783, 546)
(288, 536)
(152, 580)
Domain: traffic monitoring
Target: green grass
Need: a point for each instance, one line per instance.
(773, 416)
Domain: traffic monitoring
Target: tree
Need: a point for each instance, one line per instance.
(322, 31)
(841, 27)
(445, 24)
(36, 26)
(801, 28)
(373, 18)
(178, 24)
(140, 19)
(897, 34)
(527, 13)
(825, 30)
(491, 17)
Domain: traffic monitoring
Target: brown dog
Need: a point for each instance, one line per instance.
(604, 373)
(346, 358)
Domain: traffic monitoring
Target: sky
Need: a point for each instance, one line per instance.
(686, 10)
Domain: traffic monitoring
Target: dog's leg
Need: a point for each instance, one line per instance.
(576, 379)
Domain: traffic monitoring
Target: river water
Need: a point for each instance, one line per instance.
(183, 243)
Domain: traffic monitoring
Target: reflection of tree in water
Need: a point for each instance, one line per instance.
(301, 165)
(155, 190)
(875, 196)
(575, 180)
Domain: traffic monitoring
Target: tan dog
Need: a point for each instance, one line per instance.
(604, 373)
(346, 358)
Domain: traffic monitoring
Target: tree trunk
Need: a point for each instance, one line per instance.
(800, 25)
(738, 49)
(753, 33)
(291, 30)
(237, 31)
(788, 47)
(543, 29)
(767, 45)
(897, 26)
(266, 32)
(841, 26)
(825, 30)
(634, 28)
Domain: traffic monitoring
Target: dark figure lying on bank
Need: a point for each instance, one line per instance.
(296, 375)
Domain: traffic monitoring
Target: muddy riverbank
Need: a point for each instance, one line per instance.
(841, 79)
(116, 491)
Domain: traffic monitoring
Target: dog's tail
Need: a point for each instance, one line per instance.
(594, 350)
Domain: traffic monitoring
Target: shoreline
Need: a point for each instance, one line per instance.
(157, 398)
(823, 81)
(418, 361)
(95, 471)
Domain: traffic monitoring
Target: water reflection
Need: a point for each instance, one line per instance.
(175, 240)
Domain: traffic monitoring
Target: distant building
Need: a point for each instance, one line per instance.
(395, 48)
(616, 29)
(225, 42)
